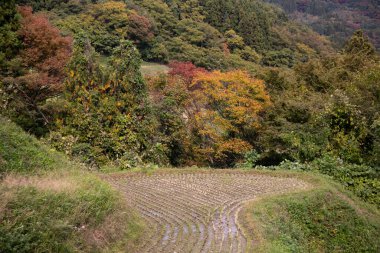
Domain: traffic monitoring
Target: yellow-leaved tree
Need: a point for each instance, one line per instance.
(224, 113)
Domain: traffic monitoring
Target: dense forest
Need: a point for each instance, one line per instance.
(236, 84)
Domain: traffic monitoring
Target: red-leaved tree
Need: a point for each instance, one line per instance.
(42, 59)
(45, 54)
(140, 28)
(186, 70)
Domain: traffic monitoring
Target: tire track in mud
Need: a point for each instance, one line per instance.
(196, 212)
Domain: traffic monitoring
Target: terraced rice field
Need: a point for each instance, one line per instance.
(196, 212)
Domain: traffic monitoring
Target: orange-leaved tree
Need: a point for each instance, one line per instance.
(224, 113)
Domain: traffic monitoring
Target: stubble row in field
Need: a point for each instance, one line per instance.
(196, 212)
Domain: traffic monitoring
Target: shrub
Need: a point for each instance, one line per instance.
(362, 180)
(250, 159)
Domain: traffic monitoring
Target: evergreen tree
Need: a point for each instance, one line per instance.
(108, 111)
(359, 44)
(358, 52)
(9, 24)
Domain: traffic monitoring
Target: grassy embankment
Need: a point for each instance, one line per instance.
(325, 218)
(49, 204)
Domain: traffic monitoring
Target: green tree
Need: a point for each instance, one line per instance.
(358, 51)
(234, 41)
(108, 111)
(9, 41)
(359, 44)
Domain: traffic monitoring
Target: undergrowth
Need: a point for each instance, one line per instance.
(362, 180)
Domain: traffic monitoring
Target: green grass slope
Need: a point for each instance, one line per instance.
(20, 152)
(56, 206)
(324, 219)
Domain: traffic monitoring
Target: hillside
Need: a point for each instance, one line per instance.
(336, 19)
(179, 125)
(287, 95)
(191, 30)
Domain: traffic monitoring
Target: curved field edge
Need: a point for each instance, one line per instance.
(169, 199)
(50, 204)
(323, 218)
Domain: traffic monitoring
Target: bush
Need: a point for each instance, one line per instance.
(362, 180)
(288, 165)
(250, 159)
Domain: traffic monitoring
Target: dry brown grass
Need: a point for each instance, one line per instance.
(103, 235)
(5, 196)
(108, 232)
(45, 183)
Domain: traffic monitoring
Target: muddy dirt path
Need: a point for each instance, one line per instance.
(196, 212)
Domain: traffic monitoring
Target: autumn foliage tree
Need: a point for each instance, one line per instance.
(210, 118)
(140, 29)
(40, 72)
(225, 111)
(185, 70)
(45, 52)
